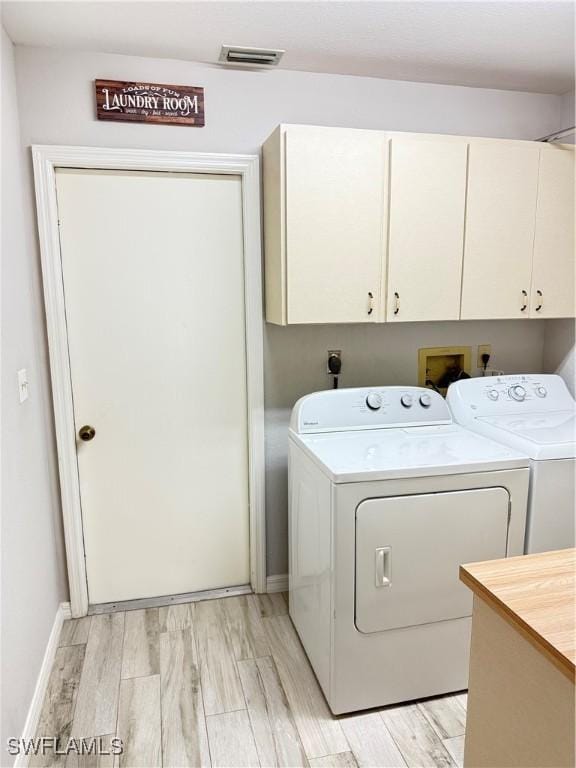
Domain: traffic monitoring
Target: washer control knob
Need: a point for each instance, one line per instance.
(541, 391)
(374, 401)
(407, 401)
(517, 392)
(493, 394)
(425, 401)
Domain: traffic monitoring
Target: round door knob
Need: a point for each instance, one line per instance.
(425, 401)
(493, 394)
(374, 401)
(517, 392)
(86, 433)
(541, 391)
(406, 401)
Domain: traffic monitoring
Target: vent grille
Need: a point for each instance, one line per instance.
(251, 57)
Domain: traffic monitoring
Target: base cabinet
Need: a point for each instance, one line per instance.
(520, 705)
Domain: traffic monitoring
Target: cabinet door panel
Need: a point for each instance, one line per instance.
(335, 186)
(553, 270)
(426, 229)
(499, 233)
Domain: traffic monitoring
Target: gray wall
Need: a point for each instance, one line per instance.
(33, 572)
(57, 107)
(559, 351)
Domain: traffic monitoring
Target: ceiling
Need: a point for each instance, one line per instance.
(522, 45)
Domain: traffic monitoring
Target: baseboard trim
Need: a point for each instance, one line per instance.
(278, 583)
(33, 717)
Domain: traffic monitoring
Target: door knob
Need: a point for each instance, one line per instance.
(86, 433)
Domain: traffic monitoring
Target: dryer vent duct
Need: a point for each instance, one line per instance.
(250, 57)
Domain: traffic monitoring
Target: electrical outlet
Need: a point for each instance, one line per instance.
(333, 353)
(483, 349)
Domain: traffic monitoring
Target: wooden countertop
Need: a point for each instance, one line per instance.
(536, 594)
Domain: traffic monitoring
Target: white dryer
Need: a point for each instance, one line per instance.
(535, 414)
(387, 498)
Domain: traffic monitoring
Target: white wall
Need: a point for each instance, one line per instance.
(57, 107)
(243, 107)
(33, 571)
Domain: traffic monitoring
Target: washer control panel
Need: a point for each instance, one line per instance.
(369, 408)
(519, 391)
(516, 393)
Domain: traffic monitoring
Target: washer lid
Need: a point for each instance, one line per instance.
(545, 435)
(385, 454)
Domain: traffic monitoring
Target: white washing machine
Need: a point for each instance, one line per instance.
(535, 414)
(387, 498)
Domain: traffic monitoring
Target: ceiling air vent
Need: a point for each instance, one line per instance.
(250, 57)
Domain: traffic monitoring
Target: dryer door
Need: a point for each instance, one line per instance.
(409, 549)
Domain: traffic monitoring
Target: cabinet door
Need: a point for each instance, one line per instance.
(335, 186)
(499, 233)
(553, 270)
(426, 229)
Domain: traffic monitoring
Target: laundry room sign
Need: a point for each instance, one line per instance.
(135, 102)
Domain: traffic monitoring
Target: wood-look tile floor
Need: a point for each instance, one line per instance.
(223, 683)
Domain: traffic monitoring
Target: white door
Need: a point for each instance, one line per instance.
(154, 293)
(499, 236)
(409, 550)
(335, 205)
(553, 270)
(426, 229)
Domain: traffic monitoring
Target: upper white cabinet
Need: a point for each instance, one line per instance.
(552, 292)
(426, 229)
(324, 224)
(499, 237)
(366, 226)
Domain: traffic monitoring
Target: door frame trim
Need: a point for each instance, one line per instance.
(46, 159)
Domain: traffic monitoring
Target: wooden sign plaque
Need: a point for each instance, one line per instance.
(123, 101)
